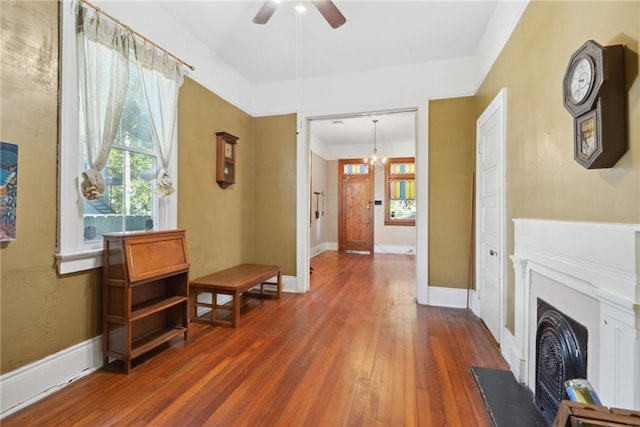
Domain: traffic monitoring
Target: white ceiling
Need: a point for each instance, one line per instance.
(391, 127)
(377, 35)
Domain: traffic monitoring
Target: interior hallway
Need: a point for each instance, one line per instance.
(355, 350)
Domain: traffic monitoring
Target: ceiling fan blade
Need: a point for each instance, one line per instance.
(330, 12)
(265, 12)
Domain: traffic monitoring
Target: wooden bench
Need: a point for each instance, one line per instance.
(234, 281)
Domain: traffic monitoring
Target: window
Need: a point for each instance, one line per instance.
(400, 191)
(129, 200)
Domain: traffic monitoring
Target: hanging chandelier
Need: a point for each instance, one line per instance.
(374, 160)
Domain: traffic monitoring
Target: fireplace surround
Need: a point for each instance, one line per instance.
(589, 272)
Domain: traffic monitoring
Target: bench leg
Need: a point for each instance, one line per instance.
(279, 285)
(236, 310)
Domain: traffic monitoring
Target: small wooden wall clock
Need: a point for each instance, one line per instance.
(226, 159)
(594, 93)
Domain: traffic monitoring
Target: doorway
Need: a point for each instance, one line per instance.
(315, 151)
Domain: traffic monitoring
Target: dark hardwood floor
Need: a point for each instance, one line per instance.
(356, 350)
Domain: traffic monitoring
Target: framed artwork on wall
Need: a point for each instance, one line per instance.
(8, 190)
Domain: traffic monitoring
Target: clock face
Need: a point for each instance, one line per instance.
(581, 80)
(228, 150)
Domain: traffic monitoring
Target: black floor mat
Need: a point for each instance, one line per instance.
(509, 403)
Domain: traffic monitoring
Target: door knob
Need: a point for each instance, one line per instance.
(492, 252)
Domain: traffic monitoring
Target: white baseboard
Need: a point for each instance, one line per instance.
(510, 352)
(474, 302)
(447, 297)
(290, 284)
(30, 383)
(326, 246)
(378, 249)
(394, 249)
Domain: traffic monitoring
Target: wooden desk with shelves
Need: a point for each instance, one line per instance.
(145, 292)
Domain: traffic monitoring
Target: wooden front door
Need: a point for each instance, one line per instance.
(355, 206)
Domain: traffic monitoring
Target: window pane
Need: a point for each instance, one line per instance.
(404, 168)
(128, 202)
(134, 128)
(402, 189)
(356, 169)
(402, 209)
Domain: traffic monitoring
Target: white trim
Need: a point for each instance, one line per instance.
(474, 303)
(72, 252)
(303, 191)
(326, 246)
(511, 353)
(504, 20)
(422, 204)
(32, 382)
(591, 273)
(290, 284)
(447, 297)
(79, 261)
(394, 249)
(497, 105)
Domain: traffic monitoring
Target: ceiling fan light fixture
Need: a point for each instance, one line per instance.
(326, 8)
(300, 8)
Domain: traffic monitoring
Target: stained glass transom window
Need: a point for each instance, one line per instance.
(356, 169)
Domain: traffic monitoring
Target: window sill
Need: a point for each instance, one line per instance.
(404, 222)
(79, 261)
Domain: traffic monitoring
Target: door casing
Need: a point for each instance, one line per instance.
(497, 106)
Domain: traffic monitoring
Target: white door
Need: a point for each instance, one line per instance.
(490, 143)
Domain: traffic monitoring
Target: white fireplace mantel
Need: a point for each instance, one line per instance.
(590, 272)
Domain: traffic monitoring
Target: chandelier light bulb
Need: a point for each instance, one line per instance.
(374, 160)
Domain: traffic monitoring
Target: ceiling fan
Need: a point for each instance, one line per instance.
(326, 8)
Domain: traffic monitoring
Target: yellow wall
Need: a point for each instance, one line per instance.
(451, 163)
(543, 180)
(218, 222)
(42, 313)
(274, 216)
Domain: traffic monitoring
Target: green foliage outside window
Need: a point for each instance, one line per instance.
(129, 174)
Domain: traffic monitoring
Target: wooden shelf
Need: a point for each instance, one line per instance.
(155, 306)
(154, 339)
(145, 292)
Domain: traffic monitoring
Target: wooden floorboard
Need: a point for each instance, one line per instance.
(354, 351)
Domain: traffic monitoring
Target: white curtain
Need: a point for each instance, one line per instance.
(103, 73)
(161, 78)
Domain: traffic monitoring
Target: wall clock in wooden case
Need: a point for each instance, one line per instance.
(594, 93)
(226, 159)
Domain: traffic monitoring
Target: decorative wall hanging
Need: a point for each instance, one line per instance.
(8, 190)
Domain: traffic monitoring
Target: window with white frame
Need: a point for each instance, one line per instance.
(129, 201)
(400, 191)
